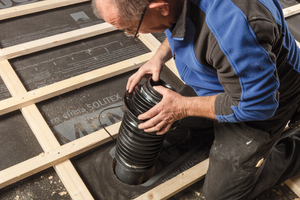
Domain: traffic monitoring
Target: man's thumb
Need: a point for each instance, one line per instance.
(159, 89)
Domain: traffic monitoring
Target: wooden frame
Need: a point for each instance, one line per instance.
(290, 11)
(54, 41)
(54, 154)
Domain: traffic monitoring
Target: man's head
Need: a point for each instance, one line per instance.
(126, 14)
(127, 9)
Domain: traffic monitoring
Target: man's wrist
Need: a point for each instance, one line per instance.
(201, 106)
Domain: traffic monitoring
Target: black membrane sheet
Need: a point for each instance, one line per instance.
(96, 168)
(63, 62)
(4, 93)
(47, 23)
(68, 114)
(17, 144)
(44, 185)
(75, 114)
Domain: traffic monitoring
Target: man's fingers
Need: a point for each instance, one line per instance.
(155, 128)
(152, 122)
(160, 89)
(133, 81)
(129, 82)
(164, 129)
(132, 85)
(149, 114)
(155, 77)
(160, 128)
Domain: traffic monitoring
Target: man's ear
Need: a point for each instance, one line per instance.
(162, 5)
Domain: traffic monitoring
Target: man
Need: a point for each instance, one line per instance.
(244, 65)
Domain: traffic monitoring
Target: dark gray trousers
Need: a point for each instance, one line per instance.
(244, 160)
(247, 158)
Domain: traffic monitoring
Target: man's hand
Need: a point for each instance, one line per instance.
(151, 68)
(161, 117)
(173, 107)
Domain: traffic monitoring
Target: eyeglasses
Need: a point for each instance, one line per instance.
(136, 34)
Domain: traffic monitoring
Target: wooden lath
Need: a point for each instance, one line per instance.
(54, 41)
(178, 183)
(56, 156)
(55, 89)
(44, 135)
(25, 101)
(290, 11)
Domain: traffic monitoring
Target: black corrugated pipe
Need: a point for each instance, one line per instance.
(136, 150)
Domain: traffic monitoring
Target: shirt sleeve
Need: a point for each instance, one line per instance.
(246, 67)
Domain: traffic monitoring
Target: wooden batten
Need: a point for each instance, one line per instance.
(177, 184)
(47, 140)
(54, 41)
(55, 89)
(45, 136)
(54, 154)
(294, 184)
(290, 11)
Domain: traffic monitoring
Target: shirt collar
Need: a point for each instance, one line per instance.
(178, 30)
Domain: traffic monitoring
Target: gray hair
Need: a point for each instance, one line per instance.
(128, 9)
